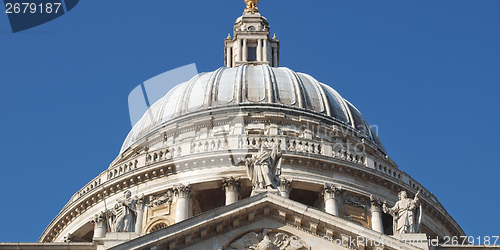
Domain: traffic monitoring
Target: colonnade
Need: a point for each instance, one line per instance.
(231, 186)
(238, 52)
(331, 199)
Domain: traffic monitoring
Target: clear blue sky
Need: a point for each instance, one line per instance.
(426, 72)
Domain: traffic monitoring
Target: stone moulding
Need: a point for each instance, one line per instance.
(132, 167)
(141, 175)
(262, 206)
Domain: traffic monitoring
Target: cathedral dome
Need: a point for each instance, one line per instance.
(248, 142)
(245, 85)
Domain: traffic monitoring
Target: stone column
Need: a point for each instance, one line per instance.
(284, 187)
(229, 56)
(330, 194)
(245, 50)
(264, 48)
(231, 186)
(275, 57)
(99, 222)
(239, 50)
(182, 209)
(140, 214)
(259, 50)
(376, 210)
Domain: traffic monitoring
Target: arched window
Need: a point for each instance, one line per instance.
(157, 226)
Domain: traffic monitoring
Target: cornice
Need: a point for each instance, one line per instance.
(250, 210)
(189, 162)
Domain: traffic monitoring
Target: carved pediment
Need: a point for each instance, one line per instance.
(243, 222)
(267, 239)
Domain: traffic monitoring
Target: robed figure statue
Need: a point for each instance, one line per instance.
(126, 214)
(407, 214)
(264, 167)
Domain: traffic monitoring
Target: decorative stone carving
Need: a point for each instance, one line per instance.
(182, 191)
(264, 167)
(265, 243)
(376, 204)
(71, 238)
(68, 238)
(268, 240)
(157, 200)
(355, 208)
(331, 191)
(284, 187)
(407, 214)
(352, 200)
(231, 184)
(246, 241)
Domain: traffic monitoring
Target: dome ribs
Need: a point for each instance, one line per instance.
(260, 85)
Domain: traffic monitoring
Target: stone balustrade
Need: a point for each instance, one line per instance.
(156, 163)
(94, 183)
(122, 168)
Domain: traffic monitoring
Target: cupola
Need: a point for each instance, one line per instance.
(251, 44)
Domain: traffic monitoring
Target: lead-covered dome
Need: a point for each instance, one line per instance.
(185, 161)
(256, 85)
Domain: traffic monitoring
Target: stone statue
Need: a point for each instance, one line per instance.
(407, 214)
(264, 167)
(126, 214)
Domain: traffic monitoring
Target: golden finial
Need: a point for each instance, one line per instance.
(251, 6)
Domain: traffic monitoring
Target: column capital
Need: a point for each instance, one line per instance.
(98, 218)
(376, 210)
(330, 191)
(139, 198)
(182, 191)
(99, 221)
(231, 184)
(376, 204)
